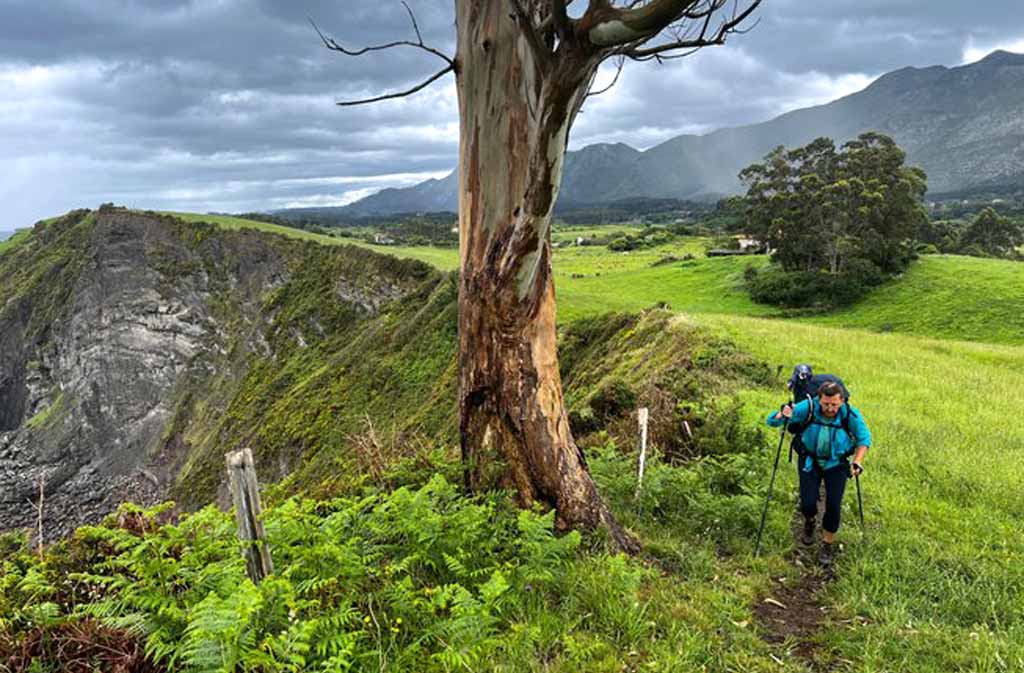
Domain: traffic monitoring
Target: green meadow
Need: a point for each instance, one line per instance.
(947, 296)
(934, 360)
(442, 258)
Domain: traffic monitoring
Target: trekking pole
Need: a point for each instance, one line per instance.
(860, 504)
(764, 512)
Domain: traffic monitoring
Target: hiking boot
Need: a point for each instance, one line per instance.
(808, 535)
(827, 555)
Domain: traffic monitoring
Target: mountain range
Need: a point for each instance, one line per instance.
(964, 125)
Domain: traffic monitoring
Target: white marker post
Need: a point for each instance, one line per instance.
(641, 414)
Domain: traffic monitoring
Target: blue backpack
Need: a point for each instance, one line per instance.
(804, 384)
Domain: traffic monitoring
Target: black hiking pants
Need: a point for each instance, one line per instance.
(835, 485)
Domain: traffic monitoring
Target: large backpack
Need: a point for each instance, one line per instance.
(804, 384)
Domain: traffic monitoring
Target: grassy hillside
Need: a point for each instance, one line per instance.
(697, 286)
(17, 237)
(427, 580)
(935, 586)
(399, 567)
(947, 296)
(442, 258)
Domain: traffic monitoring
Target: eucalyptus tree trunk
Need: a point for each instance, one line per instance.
(515, 114)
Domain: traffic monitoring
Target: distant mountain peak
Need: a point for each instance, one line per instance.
(1001, 57)
(608, 147)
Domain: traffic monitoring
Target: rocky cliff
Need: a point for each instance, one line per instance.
(126, 337)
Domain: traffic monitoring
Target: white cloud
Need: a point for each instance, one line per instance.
(975, 52)
(394, 179)
(325, 200)
(815, 88)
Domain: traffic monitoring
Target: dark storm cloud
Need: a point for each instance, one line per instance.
(841, 36)
(229, 104)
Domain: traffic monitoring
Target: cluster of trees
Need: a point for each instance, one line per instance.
(648, 238)
(304, 223)
(989, 234)
(641, 208)
(727, 217)
(839, 220)
(437, 229)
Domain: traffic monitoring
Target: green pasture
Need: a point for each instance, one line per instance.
(441, 258)
(566, 233)
(937, 584)
(698, 286)
(589, 260)
(948, 296)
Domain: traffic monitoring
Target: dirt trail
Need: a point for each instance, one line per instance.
(792, 613)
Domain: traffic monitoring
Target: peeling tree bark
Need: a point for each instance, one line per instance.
(516, 109)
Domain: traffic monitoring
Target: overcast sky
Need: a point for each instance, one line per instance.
(228, 105)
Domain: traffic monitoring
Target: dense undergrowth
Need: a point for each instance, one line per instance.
(417, 578)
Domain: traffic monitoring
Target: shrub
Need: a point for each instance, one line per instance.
(812, 289)
(624, 243)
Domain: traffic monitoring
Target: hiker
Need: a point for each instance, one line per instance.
(829, 431)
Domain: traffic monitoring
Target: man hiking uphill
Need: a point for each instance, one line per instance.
(828, 432)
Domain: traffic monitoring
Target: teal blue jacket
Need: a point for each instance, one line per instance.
(837, 444)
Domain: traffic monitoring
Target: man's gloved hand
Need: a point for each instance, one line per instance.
(856, 469)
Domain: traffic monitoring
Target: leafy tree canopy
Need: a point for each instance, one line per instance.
(821, 208)
(992, 234)
(839, 221)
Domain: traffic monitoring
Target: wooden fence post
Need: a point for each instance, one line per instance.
(245, 495)
(642, 418)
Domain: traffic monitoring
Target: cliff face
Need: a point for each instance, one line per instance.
(117, 327)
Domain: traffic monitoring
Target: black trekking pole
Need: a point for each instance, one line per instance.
(764, 512)
(860, 503)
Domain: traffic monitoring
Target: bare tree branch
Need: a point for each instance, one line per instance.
(618, 71)
(684, 40)
(627, 29)
(686, 43)
(331, 44)
(610, 27)
(399, 94)
(412, 17)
